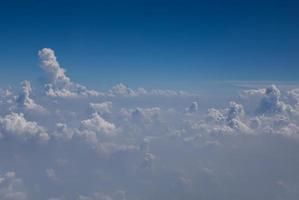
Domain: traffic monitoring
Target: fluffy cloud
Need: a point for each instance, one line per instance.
(271, 102)
(234, 115)
(274, 112)
(24, 101)
(50, 65)
(96, 124)
(121, 90)
(58, 84)
(15, 125)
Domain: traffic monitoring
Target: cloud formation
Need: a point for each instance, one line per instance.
(15, 125)
(58, 84)
(145, 144)
(24, 101)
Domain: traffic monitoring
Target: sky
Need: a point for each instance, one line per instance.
(149, 100)
(168, 44)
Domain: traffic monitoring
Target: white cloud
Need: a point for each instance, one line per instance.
(98, 125)
(101, 108)
(50, 65)
(63, 131)
(271, 102)
(15, 125)
(121, 90)
(234, 116)
(58, 84)
(24, 101)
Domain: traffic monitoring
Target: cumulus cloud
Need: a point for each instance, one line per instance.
(24, 101)
(268, 101)
(121, 90)
(15, 125)
(97, 124)
(274, 112)
(271, 103)
(234, 115)
(58, 84)
(63, 131)
(50, 65)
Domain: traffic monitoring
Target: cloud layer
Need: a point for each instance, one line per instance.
(77, 143)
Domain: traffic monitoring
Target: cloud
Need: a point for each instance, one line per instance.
(99, 125)
(24, 101)
(234, 115)
(102, 145)
(11, 187)
(121, 90)
(63, 132)
(271, 103)
(275, 112)
(145, 115)
(15, 125)
(293, 97)
(101, 108)
(57, 83)
(192, 108)
(268, 101)
(225, 121)
(54, 73)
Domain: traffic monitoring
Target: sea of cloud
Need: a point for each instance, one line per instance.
(69, 142)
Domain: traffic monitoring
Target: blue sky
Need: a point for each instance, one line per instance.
(168, 44)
